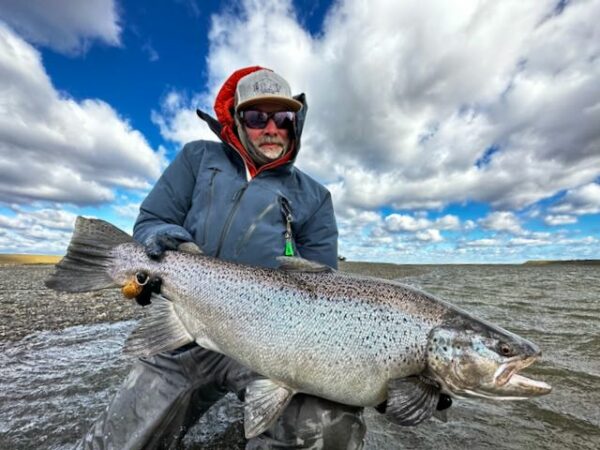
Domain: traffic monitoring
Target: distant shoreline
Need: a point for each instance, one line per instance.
(576, 262)
(25, 259)
(9, 258)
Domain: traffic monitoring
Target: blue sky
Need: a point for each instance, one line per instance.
(447, 132)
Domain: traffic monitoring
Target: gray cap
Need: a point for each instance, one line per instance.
(264, 86)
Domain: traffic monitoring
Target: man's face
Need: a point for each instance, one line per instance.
(270, 141)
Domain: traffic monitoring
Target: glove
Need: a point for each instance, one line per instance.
(157, 244)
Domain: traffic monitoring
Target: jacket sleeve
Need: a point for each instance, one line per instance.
(317, 240)
(164, 210)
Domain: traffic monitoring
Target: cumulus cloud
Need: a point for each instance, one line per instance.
(579, 201)
(129, 210)
(418, 104)
(178, 121)
(401, 222)
(486, 242)
(502, 221)
(54, 148)
(45, 217)
(43, 230)
(404, 222)
(66, 26)
(528, 241)
(559, 219)
(429, 235)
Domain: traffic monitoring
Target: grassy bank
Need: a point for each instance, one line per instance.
(28, 259)
(575, 262)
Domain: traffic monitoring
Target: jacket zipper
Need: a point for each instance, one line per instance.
(237, 197)
(289, 239)
(211, 184)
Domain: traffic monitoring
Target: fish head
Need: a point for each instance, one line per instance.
(476, 359)
(133, 270)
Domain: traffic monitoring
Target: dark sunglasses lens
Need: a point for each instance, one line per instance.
(255, 119)
(259, 119)
(283, 118)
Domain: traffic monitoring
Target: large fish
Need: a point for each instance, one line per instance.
(306, 328)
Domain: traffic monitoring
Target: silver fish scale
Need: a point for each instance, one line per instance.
(330, 334)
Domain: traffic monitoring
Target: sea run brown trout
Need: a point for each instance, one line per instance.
(306, 328)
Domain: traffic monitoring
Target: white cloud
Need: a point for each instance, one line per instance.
(65, 25)
(586, 241)
(486, 242)
(502, 221)
(129, 210)
(429, 235)
(43, 230)
(417, 104)
(150, 52)
(54, 148)
(469, 225)
(583, 200)
(560, 219)
(448, 222)
(527, 241)
(402, 222)
(178, 121)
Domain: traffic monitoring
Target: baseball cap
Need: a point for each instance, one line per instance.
(264, 86)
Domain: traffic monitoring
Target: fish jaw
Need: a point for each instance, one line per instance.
(510, 385)
(483, 361)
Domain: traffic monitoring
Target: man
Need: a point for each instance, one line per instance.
(241, 200)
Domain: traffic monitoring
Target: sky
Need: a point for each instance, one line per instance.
(447, 132)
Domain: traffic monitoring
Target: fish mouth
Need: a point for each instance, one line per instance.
(511, 385)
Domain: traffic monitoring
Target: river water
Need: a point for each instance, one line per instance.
(60, 361)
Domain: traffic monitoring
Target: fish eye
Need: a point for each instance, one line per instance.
(505, 349)
(141, 278)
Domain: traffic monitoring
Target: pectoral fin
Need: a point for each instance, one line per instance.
(265, 401)
(160, 331)
(411, 400)
(441, 415)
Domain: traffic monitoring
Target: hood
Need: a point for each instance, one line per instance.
(224, 125)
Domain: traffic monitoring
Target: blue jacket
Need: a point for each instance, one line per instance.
(204, 197)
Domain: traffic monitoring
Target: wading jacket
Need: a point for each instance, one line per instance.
(205, 196)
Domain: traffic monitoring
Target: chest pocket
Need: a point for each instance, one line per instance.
(211, 201)
(270, 229)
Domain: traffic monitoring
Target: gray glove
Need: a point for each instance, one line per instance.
(156, 245)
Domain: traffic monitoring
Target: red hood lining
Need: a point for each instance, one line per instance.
(225, 107)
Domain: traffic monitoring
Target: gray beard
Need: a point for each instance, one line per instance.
(257, 156)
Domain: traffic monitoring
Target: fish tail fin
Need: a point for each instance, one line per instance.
(85, 266)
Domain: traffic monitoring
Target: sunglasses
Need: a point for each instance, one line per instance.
(259, 119)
